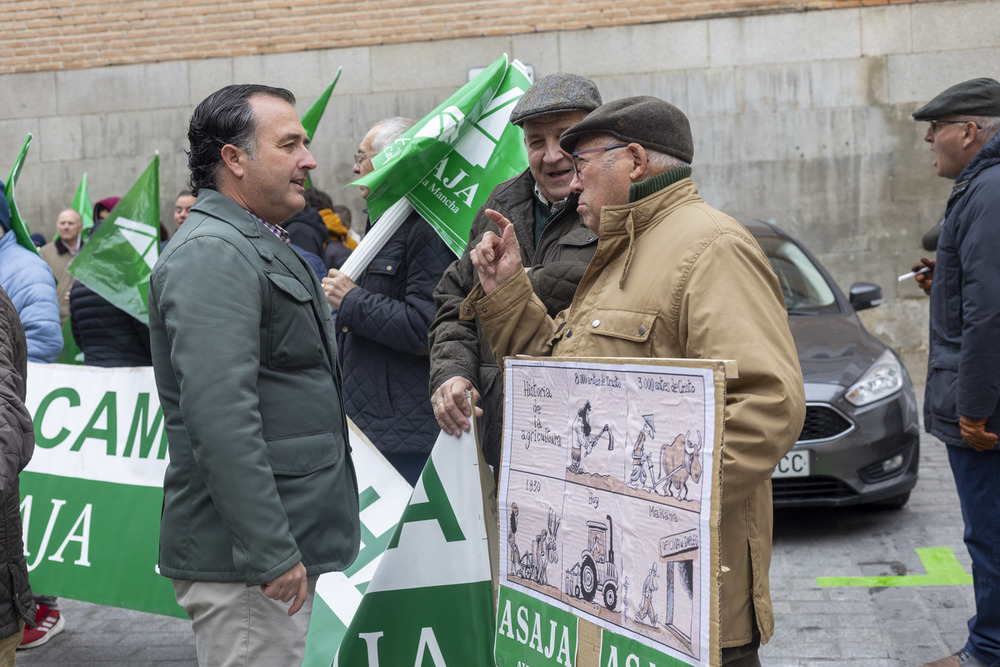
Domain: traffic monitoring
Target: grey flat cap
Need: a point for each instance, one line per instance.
(647, 121)
(556, 93)
(975, 97)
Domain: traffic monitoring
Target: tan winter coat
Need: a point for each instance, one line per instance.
(674, 278)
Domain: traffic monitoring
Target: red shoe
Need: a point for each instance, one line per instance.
(48, 623)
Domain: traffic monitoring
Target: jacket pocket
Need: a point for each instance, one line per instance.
(381, 276)
(299, 455)
(625, 325)
(293, 339)
(942, 386)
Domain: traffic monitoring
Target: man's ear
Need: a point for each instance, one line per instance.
(640, 162)
(234, 159)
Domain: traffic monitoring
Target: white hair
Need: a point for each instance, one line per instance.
(388, 130)
(663, 161)
(988, 126)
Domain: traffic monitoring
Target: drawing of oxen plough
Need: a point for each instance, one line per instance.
(680, 463)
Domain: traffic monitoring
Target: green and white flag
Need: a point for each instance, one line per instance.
(17, 224)
(118, 260)
(310, 119)
(82, 203)
(447, 164)
(430, 601)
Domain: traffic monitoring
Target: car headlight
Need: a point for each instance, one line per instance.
(883, 378)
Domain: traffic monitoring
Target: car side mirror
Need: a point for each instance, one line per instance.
(865, 295)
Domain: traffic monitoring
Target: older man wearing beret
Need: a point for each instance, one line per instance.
(962, 400)
(672, 277)
(554, 243)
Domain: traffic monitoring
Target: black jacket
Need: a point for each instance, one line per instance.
(382, 337)
(306, 230)
(17, 442)
(963, 370)
(107, 335)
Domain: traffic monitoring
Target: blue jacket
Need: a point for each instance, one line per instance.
(963, 370)
(382, 335)
(31, 286)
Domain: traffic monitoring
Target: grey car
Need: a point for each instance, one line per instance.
(861, 439)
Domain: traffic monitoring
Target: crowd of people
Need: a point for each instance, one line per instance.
(262, 347)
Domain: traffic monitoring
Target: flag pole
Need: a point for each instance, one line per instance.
(376, 238)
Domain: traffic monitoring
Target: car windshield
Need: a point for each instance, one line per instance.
(803, 286)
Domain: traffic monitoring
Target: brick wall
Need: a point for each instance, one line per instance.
(42, 35)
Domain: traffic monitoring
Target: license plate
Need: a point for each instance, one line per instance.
(794, 464)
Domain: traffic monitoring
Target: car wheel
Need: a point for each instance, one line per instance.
(893, 503)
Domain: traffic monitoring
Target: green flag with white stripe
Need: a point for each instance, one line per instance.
(118, 259)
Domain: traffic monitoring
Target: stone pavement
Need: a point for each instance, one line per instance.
(889, 626)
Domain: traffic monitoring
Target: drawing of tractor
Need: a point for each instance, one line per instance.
(596, 570)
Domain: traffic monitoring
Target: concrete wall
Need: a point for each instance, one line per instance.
(798, 117)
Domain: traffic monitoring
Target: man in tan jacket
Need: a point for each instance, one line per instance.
(60, 252)
(672, 277)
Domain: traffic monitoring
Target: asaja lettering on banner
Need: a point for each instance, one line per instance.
(79, 533)
(428, 645)
(528, 632)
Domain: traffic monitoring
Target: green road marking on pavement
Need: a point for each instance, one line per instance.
(943, 569)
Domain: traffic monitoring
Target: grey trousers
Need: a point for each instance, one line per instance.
(236, 625)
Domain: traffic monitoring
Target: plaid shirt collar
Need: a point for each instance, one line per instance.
(277, 230)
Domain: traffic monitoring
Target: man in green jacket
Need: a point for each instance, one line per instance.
(260, 495)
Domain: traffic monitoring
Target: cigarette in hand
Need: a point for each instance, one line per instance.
(907, 276)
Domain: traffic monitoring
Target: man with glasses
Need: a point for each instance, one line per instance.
(962, 400)
(672, 278)
(382, 326)
(554, 244)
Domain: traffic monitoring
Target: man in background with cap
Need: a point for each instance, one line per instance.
(962, 400)
(554, 243)
(672, 277)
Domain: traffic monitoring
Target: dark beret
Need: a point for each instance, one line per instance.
(975, 97)
(647, 121)
(556, 93)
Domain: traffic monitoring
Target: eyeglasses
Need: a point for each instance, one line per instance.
(361, 157)
(936, 124)
(577, 162)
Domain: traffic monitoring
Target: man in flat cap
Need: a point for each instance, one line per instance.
(672, 277)
(962, 400)
(554, 243)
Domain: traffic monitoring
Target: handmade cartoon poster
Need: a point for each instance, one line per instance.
(608, 505)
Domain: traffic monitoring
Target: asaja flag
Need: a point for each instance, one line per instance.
(16, 222)
(408, 159)
(448, 164)
(118, 259)
(310, 119)
(491, 152)
(431, 599)
(83, 205)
